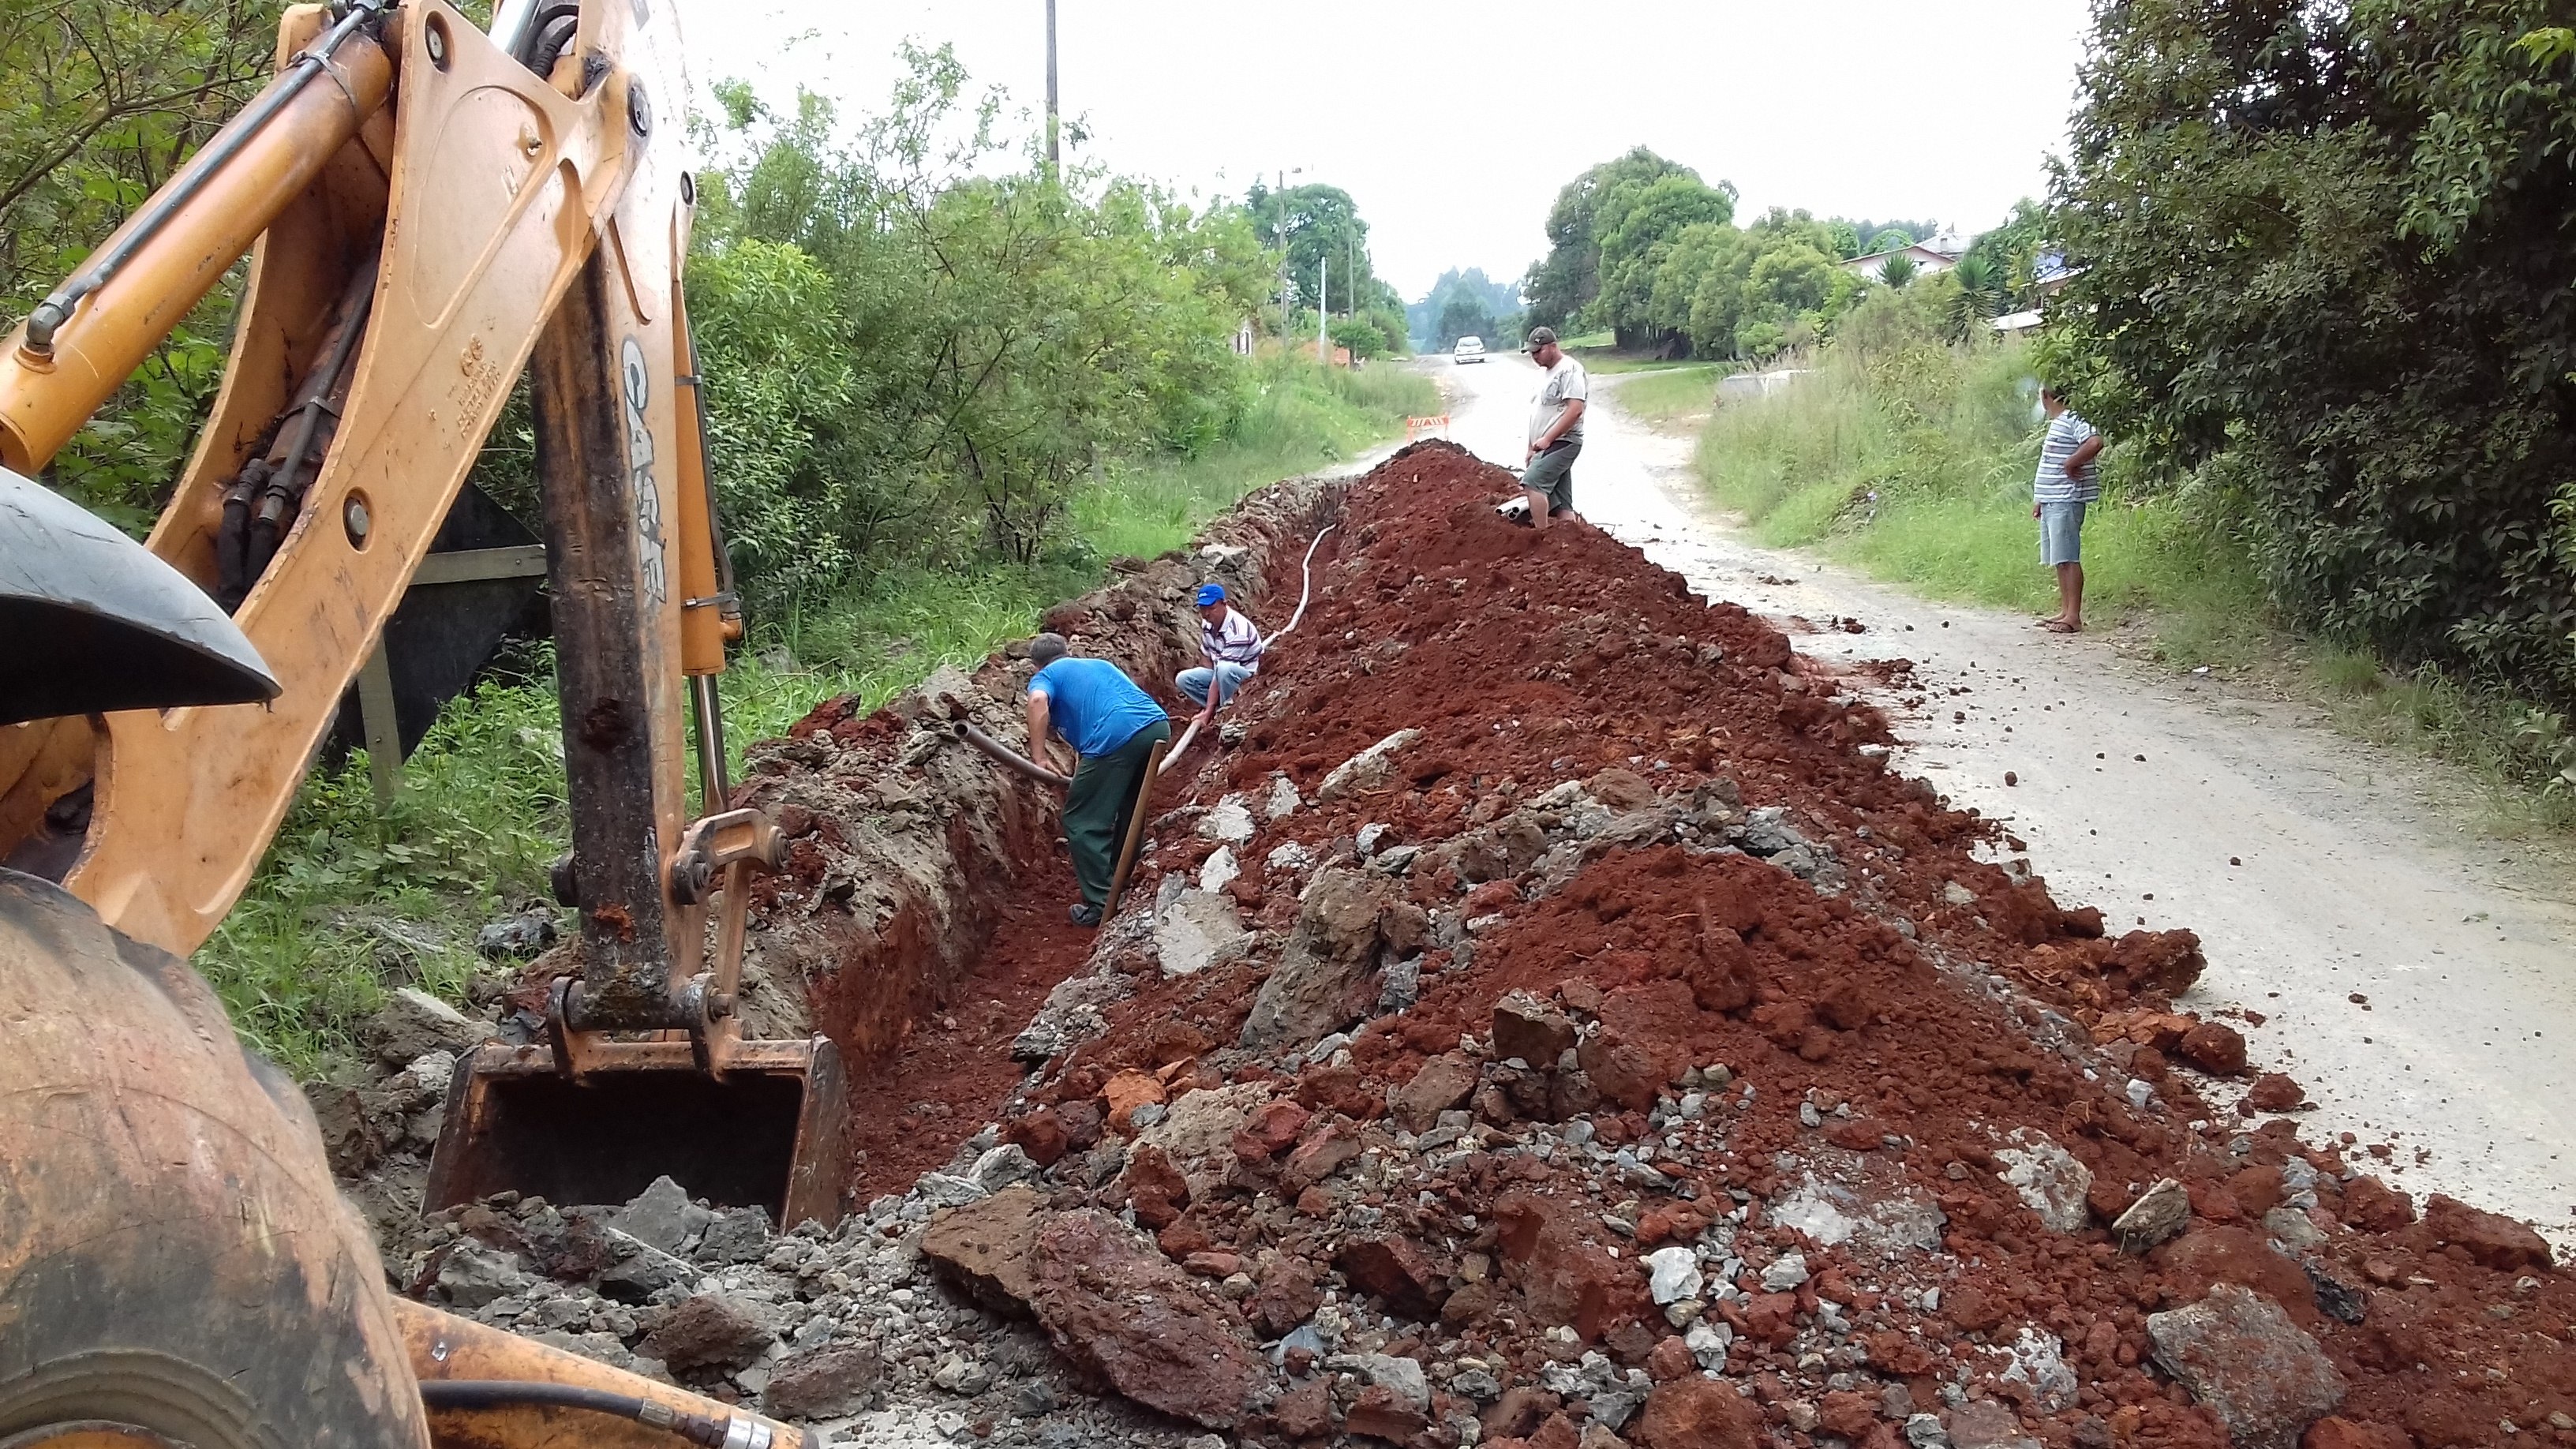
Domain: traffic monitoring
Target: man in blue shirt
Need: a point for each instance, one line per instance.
(1113, 727)
(2069, 478)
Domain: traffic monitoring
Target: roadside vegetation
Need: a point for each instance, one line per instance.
(1911, 456)
(2309, 268)
(1668, 396)
(948, 386)
(1643, 250)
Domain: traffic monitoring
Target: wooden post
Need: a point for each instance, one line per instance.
(376, 721)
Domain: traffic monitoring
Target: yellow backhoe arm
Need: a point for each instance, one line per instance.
(430, 212)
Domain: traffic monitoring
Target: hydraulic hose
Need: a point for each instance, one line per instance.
(56, 309)
(730, 1431)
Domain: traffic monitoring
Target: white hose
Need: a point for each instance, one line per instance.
(1305, 591)
(1306, 588)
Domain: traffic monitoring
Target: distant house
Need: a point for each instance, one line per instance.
(1928, 260)
(2049, 273)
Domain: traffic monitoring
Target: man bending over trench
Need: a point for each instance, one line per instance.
(1113, 727)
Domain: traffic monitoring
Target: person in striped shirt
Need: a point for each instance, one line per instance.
(2069, 478)
(1232, 644)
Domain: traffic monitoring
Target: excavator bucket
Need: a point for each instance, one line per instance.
(766, 1132)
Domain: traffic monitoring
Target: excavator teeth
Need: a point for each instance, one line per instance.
(767, 1133)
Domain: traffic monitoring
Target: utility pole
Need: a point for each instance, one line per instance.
(1053, 160)
(1323, 314)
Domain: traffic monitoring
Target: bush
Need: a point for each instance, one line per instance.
(2329, 261)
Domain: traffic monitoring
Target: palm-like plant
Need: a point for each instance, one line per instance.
(1898, 270)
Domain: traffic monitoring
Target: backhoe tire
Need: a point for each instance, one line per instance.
(174, 1255)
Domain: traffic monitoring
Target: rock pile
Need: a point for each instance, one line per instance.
(1551, 1024)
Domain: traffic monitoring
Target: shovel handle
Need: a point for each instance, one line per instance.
(1135, 831)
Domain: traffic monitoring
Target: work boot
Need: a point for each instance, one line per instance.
(1084, 913)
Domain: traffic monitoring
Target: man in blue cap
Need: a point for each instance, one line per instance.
(1232, 645)
(1113, 727)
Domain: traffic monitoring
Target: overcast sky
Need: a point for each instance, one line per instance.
(1453, 123)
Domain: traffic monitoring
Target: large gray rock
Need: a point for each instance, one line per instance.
(472, 1275)
(1324, 980)
(2160, 1212)
(2051, 1182)
(1368, 770)
(737, 1235)
(831, 1382)
(640, 1271)
(522, 935)
(413, 1024)
(2240, 1355)
(1197, 931)
(662, 1216)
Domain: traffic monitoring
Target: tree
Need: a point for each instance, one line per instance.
(1564, 282)
(105, 100)
(1495, 299)
(2328, 259)
(1002, 330)
(1898, 270)
(1465, 315)
(1634, 223)
(2008, 257)
(1316, 228)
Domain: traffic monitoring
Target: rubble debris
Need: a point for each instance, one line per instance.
(413, 1024)
(2238, 1353)
(1737, 1100)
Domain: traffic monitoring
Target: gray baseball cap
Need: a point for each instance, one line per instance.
(1538, 337)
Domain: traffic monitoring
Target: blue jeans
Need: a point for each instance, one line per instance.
(1228, 677)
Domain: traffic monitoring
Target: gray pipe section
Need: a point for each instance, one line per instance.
(1018, 762)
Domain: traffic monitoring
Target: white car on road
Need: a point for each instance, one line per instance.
(1469, 349)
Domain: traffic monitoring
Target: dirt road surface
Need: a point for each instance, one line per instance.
(2419, 980)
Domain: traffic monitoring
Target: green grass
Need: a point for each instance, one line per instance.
(1671, 394)
(1609, 361)
(2524, 758)
(348, 905)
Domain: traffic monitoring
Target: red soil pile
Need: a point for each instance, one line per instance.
(1637, 945)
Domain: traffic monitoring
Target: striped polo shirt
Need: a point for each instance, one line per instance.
(2066, 433)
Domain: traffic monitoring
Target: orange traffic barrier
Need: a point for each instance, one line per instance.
(1416, 429)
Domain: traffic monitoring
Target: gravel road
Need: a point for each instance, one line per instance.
(2418, 978)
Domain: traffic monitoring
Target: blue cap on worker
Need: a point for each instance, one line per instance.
(1211, 594)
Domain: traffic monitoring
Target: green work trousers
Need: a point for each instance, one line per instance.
(1102, 800)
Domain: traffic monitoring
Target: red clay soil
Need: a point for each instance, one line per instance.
(1527, 661)
(951, 1075)
(1857, 966)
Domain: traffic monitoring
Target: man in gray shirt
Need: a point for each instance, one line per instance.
(1555, 431)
